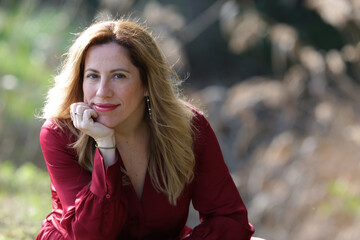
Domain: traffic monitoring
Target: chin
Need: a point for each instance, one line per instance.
(107, 122)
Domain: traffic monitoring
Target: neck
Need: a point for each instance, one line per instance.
(129, 135)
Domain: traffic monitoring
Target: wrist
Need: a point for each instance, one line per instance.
(100, 147)
(105, 143)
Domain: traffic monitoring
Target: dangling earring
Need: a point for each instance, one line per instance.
(148, 105)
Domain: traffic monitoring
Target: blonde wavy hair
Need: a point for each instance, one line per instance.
(172, 161)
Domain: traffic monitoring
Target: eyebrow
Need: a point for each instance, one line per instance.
(114, 70)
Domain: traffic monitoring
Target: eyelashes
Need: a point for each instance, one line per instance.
(119, 76)
(115, 76)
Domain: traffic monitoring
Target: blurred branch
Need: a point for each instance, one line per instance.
(201, 23)
(72, 8)
(346, 85)
(337, 72)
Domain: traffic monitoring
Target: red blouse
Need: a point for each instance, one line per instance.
(97, 206)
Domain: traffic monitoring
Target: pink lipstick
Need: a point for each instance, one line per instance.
(104, 107)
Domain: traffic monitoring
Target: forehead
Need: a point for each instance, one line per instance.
(109, 54)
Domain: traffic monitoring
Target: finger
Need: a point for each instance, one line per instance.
(76, 113)
(73, 109)
(93, 114)
(88, 116)
(72, 113)
(80, 108)
(74, 106)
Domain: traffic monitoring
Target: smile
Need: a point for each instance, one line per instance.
(104, 107)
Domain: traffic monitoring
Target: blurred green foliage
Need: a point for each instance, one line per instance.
(17, 42)
(29, 44)
(24, 200)
(34, 34)
(340, 200)
(341, 193)
(29, 40)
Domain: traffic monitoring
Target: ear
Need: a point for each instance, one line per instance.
(146, 93)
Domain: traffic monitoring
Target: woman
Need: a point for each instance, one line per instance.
(125, 155)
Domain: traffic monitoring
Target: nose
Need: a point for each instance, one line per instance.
(104, 89)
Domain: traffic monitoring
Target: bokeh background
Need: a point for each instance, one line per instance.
(278, 81)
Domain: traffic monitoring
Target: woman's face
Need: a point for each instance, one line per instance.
(112, 86)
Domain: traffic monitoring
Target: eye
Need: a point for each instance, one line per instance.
(119, 76)
(92, 76)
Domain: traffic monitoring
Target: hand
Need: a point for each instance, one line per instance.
(83, 117)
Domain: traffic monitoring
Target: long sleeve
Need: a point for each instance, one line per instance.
(222, 212)
(92, 206)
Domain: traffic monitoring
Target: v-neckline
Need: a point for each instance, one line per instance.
(139, 199)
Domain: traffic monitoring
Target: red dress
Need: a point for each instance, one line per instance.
(97, 206)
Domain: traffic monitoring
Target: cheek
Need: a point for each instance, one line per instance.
(86, 93)
(85, 97)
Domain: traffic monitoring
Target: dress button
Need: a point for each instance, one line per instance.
(107, 196)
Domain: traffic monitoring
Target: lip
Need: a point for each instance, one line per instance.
(105, 107)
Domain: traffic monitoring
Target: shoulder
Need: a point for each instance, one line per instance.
(199, 122)
(201, 130)
(56, 131)
(50, 124)
(198, 119)
(208, 154)
(56, 141)
(58, 125)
